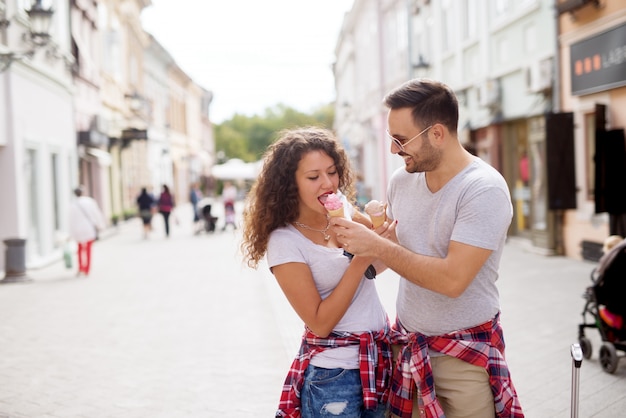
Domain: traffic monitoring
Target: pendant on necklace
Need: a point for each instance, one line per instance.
(321, 231)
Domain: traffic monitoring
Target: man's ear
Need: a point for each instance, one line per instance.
(438, 133)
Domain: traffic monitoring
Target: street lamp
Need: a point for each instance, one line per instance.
(38, 35)
(40, 20)
(421, 65)
(136, 101)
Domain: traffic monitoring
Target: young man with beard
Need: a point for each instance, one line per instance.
(450, 212)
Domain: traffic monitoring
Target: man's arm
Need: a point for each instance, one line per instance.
(449, 276)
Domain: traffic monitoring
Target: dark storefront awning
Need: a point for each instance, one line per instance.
(134, 133)
(93, 138)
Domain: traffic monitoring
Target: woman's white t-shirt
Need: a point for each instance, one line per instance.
(328, 265)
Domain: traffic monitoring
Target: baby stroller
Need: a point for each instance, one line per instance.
(606, 304)
(209, 220)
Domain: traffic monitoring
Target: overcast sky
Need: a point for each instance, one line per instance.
(252, 54)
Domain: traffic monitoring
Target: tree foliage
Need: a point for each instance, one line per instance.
(247, 137)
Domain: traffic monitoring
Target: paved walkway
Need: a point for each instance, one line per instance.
(179, 327)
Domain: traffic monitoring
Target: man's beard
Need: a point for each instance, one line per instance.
(430, 158)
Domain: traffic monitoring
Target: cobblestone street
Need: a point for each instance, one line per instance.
(179, 327)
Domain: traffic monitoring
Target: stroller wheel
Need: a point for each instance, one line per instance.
(608, 357)
(585, 345)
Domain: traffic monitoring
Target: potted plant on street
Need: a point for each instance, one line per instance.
(129, 213)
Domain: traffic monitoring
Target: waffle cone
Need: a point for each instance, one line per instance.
(336, 212)
(378, 220)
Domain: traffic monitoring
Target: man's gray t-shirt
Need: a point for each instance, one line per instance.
(473, 208)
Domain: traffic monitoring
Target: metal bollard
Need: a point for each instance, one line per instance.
(577, 360)
(15, 261)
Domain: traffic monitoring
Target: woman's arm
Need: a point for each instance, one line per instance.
(320, 315)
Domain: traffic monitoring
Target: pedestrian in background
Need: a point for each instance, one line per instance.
(345, 356)
(166, 206)
(229, 196)
(85, 222)
(146, 204)
(452, 211)
(195, 195)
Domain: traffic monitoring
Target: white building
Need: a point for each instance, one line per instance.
(91, 100)
(157, 62)
(497, 55)
(37, 134)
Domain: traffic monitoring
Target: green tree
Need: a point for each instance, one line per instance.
(247, 137)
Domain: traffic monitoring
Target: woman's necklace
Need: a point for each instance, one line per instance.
(322, 231)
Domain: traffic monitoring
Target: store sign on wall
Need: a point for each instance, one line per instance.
(599, 63)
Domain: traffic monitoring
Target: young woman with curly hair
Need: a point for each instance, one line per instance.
(344, 361)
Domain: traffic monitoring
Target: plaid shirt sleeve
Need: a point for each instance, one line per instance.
(482, 346)
(289, 404)
(375, 358)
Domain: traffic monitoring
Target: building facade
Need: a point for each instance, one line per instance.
(94, 159)
(38, 156)
(509, 67)
(124, 108)
(592, 51)
(157, 61)
(100, 103)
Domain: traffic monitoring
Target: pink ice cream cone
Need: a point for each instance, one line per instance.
(334, 205)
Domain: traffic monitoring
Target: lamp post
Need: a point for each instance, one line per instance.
(38, 35)
(136, 101)
(421, 66)
(40, 20)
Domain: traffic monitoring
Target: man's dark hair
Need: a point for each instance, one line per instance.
(430, 102)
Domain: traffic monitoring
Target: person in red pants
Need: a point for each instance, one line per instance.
(85, 221)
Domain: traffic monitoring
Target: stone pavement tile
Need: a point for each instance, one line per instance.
(541, 308)
(161, 327)
(28, 408)
(179, 327)
(9, 408)
(76, 410)
(541, 299)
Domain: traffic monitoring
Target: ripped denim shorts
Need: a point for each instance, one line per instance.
(335, 393)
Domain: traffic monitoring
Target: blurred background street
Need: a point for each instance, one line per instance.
(120, 95)
(179, 327)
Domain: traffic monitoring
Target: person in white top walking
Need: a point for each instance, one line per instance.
(85, 221)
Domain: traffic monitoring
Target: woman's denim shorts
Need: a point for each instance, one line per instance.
(334, 393)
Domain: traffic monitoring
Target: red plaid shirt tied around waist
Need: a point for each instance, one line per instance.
(375, 359)
(482, 346)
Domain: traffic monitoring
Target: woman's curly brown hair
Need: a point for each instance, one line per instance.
(273, 200)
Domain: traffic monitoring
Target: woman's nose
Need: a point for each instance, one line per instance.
(326, 180)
